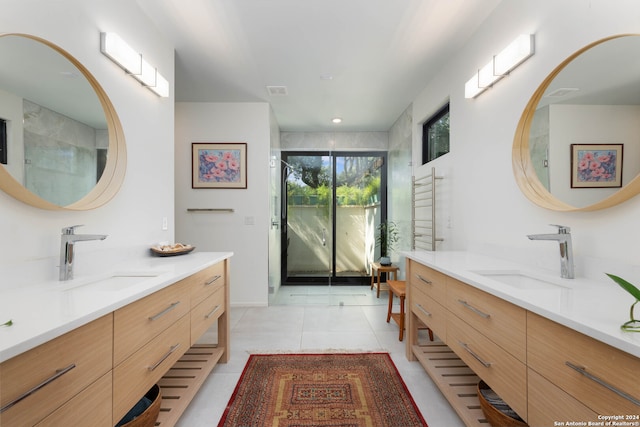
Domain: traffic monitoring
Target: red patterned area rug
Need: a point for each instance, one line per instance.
(321, 390)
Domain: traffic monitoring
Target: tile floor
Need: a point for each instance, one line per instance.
(307, 319)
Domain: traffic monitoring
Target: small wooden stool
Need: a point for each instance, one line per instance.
(399, 288)
(378, 269)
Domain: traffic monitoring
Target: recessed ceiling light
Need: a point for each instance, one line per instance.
(336, 120)
(326, 77)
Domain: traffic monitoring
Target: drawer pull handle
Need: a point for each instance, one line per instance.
(165, 311)
(58, 374)
(216, 308)
(475, 356)
(475, 310)
(215, 278)
(421, 308)
(168, 353)
(583, 371)
(427, 281)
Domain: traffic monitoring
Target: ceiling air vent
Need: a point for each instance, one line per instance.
(563, 91)
(277, 90)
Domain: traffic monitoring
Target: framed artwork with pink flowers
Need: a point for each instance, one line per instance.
(596, 165)
(219, 165)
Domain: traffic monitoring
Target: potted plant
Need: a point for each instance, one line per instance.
(387, 239)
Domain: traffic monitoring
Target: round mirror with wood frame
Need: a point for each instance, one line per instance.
(112, 175)
(528, 179)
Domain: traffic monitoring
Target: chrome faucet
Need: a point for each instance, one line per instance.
(68, 239)
(563, 237)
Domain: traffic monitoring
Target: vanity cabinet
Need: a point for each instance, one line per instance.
(489, 335)
(96, 373)
(600, 377)
(208, 301)
(428, 280)
(41, 380)
(428, 288)
(137, 323)
(139, 372)
(501, 322)
(548, 404)
(206, 313)
(92, 406)
(505, 374)
(546, 372)
(158, 333)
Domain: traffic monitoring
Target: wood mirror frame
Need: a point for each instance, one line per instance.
(113, 175)
(523, 170)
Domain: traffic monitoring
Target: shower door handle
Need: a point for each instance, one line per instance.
(324, 237)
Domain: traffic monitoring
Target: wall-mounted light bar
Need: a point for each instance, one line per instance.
(116, 49)
(500, 65)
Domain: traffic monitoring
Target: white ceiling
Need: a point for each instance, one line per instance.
(361, 60)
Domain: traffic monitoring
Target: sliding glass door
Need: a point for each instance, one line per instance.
(332, 204)
(307, 223)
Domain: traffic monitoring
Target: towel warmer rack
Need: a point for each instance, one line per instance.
(423, 212)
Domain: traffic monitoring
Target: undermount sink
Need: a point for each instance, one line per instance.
(114, 282)
(521, 280)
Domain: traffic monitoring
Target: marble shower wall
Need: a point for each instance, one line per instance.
(334, 141)
(61, 155)
(399, 183)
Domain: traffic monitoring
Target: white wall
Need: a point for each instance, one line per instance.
(487, 212)
(245, 232)
(133, 218)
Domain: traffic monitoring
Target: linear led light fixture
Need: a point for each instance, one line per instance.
(521, 49)
(161, 88)
(116, 49)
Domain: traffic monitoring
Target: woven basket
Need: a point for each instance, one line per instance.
(150, 415)
(494, 416)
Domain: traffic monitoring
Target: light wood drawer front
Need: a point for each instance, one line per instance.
(92, 407)
(432, 282)
(206, 282)
(548, 404)
(499, 320)
(430, 312)
(135, 376)
(139, 322)
(505, 374)
(204, 314)
(551, 347)
(68, 363)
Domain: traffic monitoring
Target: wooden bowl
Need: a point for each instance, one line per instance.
(494, 416)
(156, 250)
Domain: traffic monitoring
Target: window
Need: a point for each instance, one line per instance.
(435, 135)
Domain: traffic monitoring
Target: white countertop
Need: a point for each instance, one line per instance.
(43, 311)
(595, 308)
